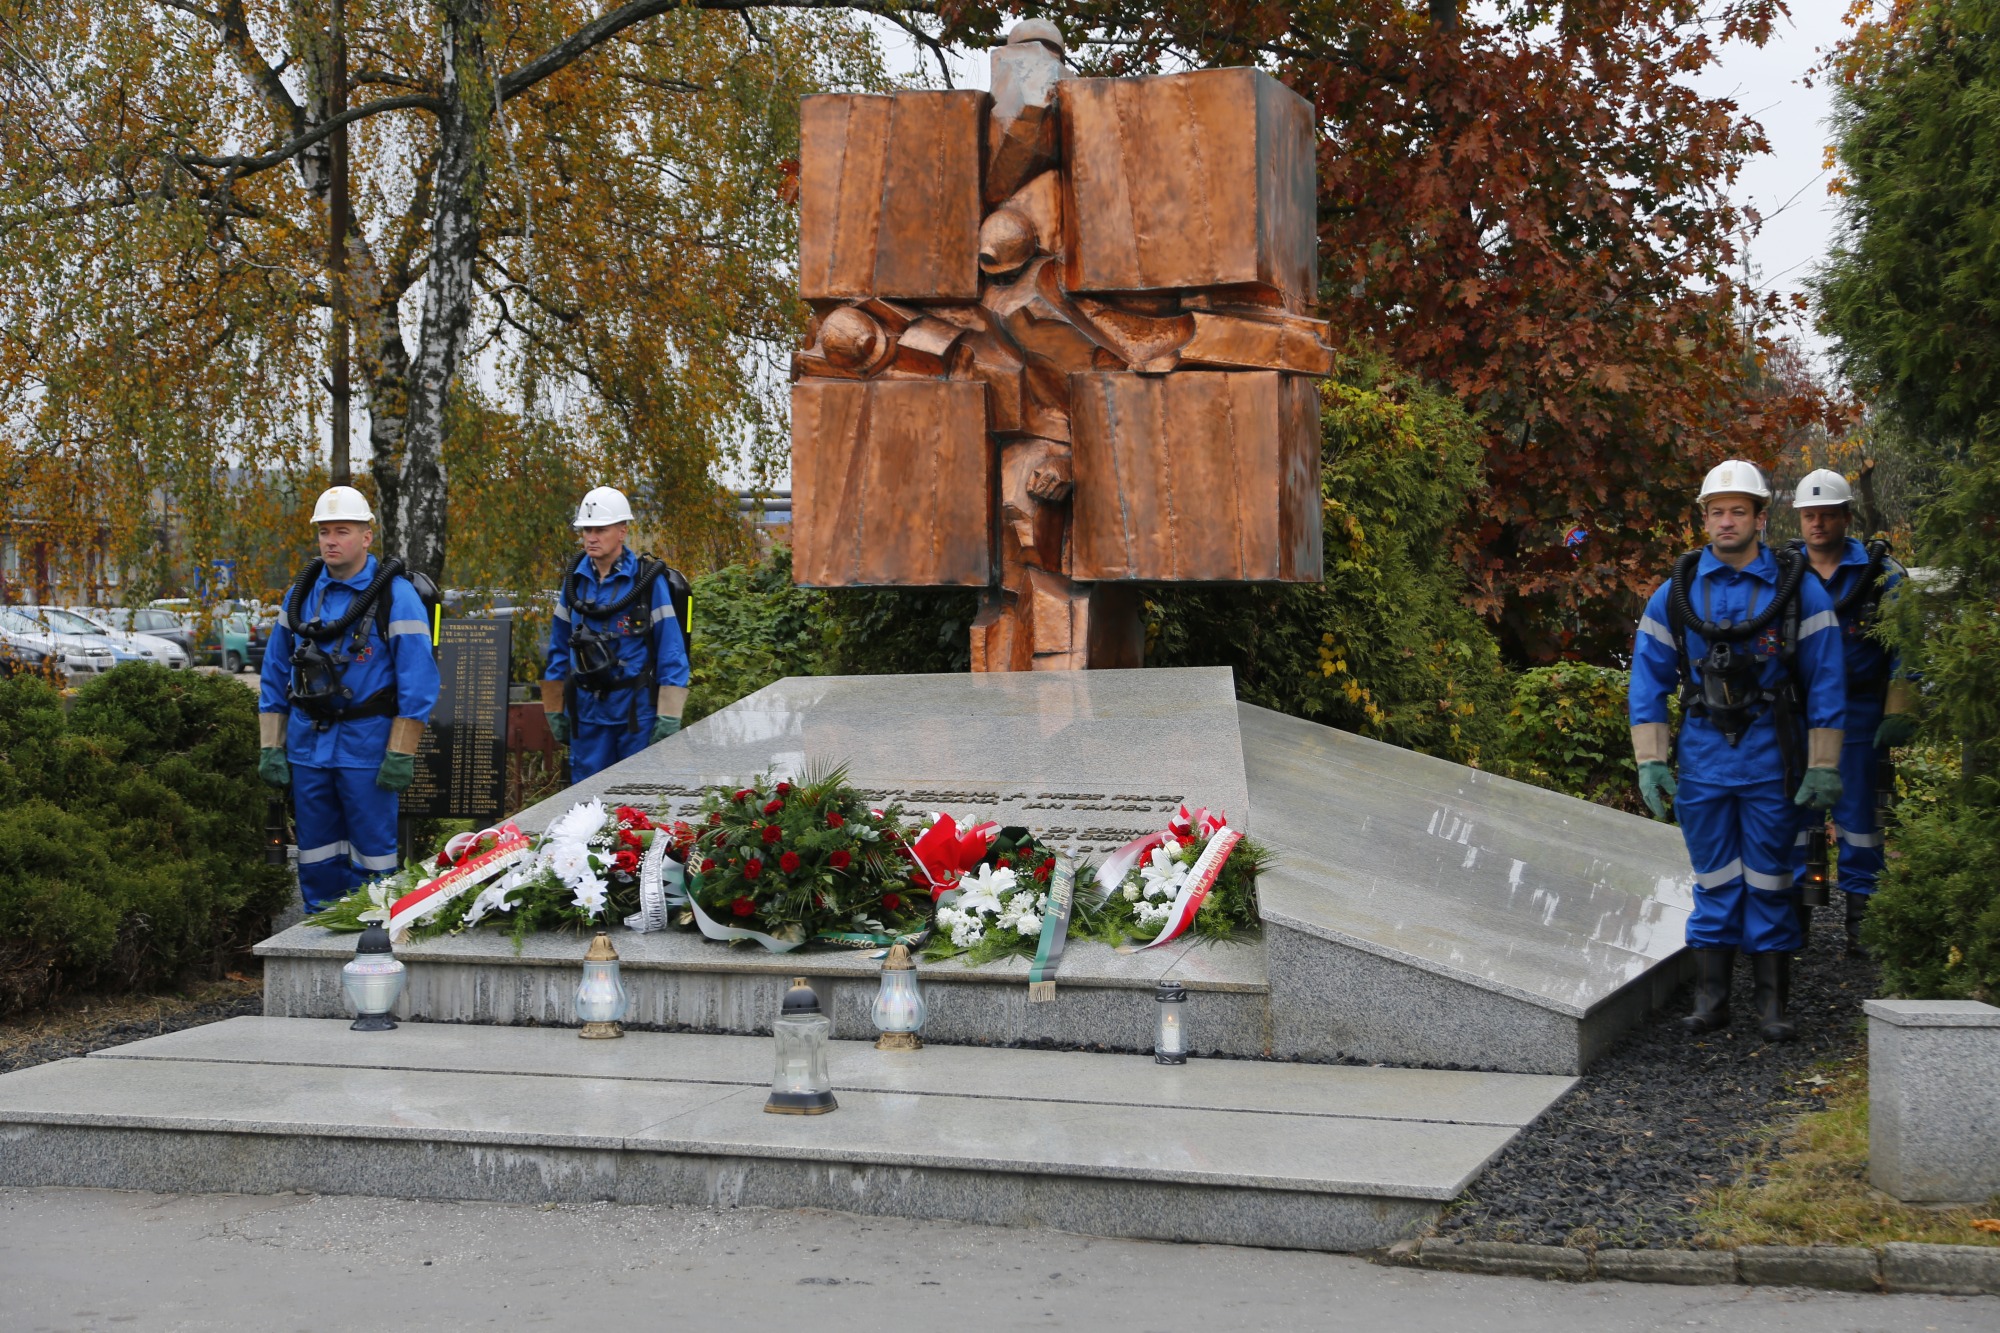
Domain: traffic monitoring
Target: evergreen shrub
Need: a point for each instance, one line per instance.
(1567, 730)
(131, 833)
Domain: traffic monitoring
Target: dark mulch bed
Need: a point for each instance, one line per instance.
(1622, 1159)
(81, 1026)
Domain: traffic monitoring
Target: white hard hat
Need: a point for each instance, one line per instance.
(1734, 477)
(601, 508)
(1822, 490)
(342, 504)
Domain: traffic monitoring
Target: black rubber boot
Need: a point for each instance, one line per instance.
(1857, 911)
(1773, 975)
(1711, 991)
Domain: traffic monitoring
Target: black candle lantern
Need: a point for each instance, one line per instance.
(1813, 887)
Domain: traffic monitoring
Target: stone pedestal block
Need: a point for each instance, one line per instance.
(889, 195)
(901, 482)
(1202, 179)
(1933, 1112)
(1180, 477)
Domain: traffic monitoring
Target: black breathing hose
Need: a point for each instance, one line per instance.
(640, 587)
(296, 603)
(1877, 552)
(1788, 587)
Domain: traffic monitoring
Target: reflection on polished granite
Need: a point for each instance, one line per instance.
(1099, 753)
(1511, 888)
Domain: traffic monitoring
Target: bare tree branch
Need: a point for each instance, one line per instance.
(239, 167)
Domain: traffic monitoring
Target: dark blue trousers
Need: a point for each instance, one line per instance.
(1740, 840)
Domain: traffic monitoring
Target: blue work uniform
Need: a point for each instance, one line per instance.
(1734, 804)
(1870, 665)
(607, 726)
(347, 824)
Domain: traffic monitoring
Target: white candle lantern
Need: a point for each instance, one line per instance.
(373, 981)
(1170, 1046)
(600, 997)
(899, 1006)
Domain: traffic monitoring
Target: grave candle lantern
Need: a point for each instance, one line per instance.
(899, 1006)
(373, 981)
(600, 997)
(1169, 1028)
(800, 1084)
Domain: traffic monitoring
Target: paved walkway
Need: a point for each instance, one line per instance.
(82, 1259)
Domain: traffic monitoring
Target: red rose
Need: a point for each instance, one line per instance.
(626, 860)
(753, 868)
(834, 819)
(775, 804)
(772, 833)
(1042, 871)
(1004, 863)
(892, 901)
(640, 822)
(839, 859)
(788, 862)
(707, 864)
(743, 907)
(444, 861)
(625, 812)
(630, 839)
(743, 795)
(715, 818)
(784, 788)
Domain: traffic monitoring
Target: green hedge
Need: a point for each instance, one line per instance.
(1567, 730)
(131, 848)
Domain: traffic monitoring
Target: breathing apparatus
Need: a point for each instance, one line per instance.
(317, 689)
(594, 663)
(1731, 693)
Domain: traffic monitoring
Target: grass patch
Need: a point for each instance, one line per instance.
(1808, 1183)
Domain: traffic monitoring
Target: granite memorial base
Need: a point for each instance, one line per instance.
(1934, 1100)
(1418, 912)
(1223, 1152)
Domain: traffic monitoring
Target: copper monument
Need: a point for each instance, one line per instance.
(1060, 345)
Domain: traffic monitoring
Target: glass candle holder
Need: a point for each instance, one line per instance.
(899, 1011)
(1170, 1045)
(800, 1084)
(601, 1001)
(373, 981)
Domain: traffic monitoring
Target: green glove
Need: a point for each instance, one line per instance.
(272, 767)
(397, 771)
(1821, 788)
(1656, 785)
(664, 727)
(1896, 729)
(559, 727)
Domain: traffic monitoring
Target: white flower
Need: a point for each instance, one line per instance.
(1131, 893)
(590, 896)
(1029, 924)
(1148, 913)
(1162, 875)
(578, 823)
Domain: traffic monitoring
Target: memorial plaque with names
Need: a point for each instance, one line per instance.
(462, 761)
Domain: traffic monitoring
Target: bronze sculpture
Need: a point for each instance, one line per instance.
(1060, 346)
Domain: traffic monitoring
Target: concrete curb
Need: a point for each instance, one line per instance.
(1947, 1270)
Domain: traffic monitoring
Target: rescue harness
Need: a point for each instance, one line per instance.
(318, 669)
(1731, 693)
(594, 660)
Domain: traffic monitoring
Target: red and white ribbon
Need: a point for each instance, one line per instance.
(944, 852)
(1201, 878)
(1185, 826)
(510, 848)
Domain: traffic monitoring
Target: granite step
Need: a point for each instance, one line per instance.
(1237, 1152)
(679, 980)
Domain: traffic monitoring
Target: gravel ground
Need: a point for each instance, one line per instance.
(1664, 1116)
(91, 1024)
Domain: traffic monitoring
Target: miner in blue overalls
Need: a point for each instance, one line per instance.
(348, 684)
(1880, 705)
(1753, 647)
(617, 676)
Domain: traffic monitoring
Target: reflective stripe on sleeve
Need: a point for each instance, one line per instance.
(665, 612)
(562, 612)
(1652, 627)
(408, 627)
(1818, 621)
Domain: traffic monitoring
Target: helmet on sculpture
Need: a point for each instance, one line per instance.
(342, 504)
(1734, 477)
(1822, 489)
(603, 507)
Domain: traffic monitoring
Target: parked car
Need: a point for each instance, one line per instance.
(67, 626)
(157, 621)
(234, 641)
(163, 651)
(80, 657)
(21, 651)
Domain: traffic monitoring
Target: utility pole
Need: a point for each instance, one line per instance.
(336, 262)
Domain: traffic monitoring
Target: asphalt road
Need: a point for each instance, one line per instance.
(83, 1259)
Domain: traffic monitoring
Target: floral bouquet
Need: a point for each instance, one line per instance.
(781, 863)
(998, 907)
(1197, 876)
